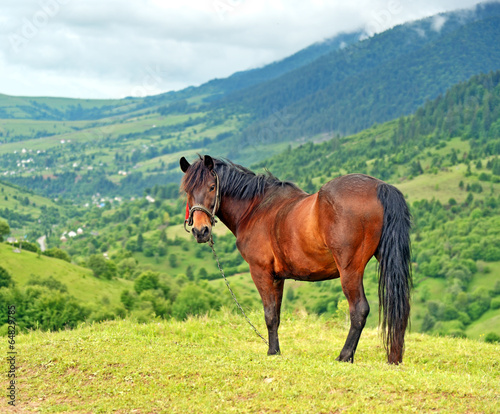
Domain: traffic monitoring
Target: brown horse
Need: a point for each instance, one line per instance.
(285, 233)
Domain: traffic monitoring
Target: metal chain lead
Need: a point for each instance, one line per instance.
(211, 243)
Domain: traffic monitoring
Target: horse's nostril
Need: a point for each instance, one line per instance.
(204, 232)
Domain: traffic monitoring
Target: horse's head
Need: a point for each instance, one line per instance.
(201, 184)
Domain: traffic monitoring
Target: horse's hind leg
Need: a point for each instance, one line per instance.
(352, 285)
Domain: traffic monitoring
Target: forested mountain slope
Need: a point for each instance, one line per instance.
(376, 80)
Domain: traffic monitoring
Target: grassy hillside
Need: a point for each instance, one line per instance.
(14, 198)
(216, 364)
(79, 281)
(48, 108)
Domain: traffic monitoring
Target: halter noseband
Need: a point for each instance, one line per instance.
(188, 222)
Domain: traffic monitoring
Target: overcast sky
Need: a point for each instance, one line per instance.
(117, 48)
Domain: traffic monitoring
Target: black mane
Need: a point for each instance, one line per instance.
(235, 180)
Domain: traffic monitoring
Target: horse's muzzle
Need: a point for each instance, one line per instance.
(201, 235)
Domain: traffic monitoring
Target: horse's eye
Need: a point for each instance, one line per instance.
(212, 188)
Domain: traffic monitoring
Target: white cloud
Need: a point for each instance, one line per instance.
(438, 22)
(112, 48)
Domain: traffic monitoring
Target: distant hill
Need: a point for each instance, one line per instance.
(468, 114)
(60, 109)
(26, 212)
(79, 281)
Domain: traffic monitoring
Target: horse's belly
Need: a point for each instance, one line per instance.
(312, 269)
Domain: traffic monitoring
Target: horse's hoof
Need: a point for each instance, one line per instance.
(349, 359)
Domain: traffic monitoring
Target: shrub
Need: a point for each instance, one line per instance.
(48, 282)
(5, 278)
(51, 310)
(193, 300)
(172, 260)
(492, 338)
(146, 281)
(31, 247)
(496, 289)
(127, 299)
(58, 254)
(102, 268)
(495, 303)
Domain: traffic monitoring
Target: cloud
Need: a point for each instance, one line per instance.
(112, 48)
(438, 22)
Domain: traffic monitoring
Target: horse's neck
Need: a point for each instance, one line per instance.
(233, 210)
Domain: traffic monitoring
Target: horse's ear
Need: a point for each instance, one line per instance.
(209, 162)
(184, 164)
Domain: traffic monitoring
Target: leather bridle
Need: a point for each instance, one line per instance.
(198, 207)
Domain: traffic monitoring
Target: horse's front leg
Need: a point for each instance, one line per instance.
(271, 293)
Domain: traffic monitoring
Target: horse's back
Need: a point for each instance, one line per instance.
(349, 185)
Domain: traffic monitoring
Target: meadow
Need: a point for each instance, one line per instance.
(215, 363)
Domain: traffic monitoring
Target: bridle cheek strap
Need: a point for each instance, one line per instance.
(188, 221)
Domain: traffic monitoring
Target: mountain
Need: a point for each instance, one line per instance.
(245, 79)
(61, 109)
(27, 213)
(468, 113)
(375, 80)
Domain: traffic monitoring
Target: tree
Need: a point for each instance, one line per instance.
(172, 259)
(126, 267)
(190, 273)
(5, 278)
(4, 229)
(427, 323)
(146, 281)
(102, 268)
(140, 242)
(127, 299)
(202, 273)
(193, 300)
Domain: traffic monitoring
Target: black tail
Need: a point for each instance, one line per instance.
(395, 280)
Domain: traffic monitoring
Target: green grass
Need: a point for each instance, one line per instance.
(29, 127)
(80, 281)
(216, 364)
(488, 322)
(14, 105)
(445, 185)
(11, 196)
